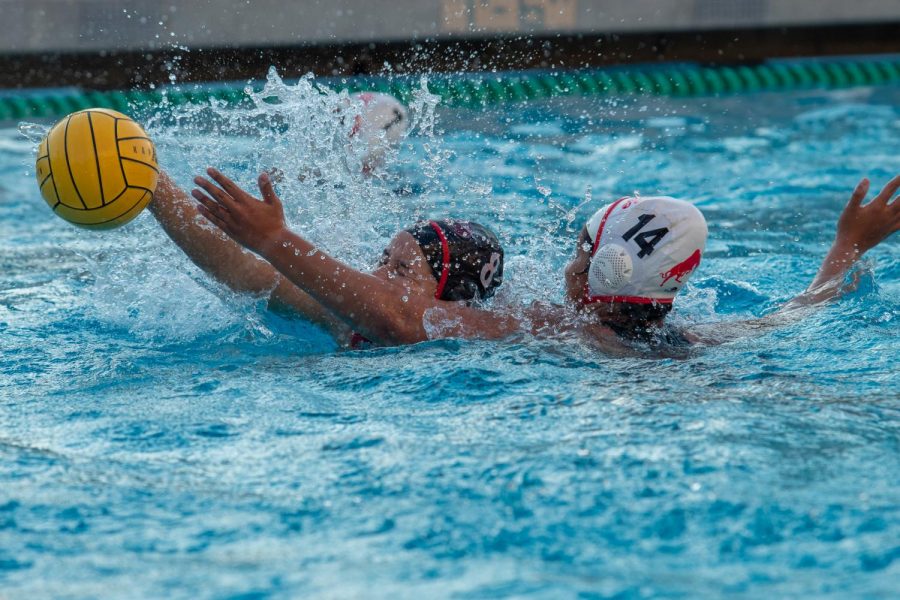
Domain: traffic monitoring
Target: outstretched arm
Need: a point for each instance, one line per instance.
(213, 252)
(384, 311)
(860, 228)
(227, 262)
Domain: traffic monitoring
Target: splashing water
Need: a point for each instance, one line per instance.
(302, 130)
(33, 132)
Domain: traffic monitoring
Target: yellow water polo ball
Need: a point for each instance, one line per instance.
(97, 168)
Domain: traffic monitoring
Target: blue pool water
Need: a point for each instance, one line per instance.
(161, 437)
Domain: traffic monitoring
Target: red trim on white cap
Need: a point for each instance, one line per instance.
(365, 98)
(603, 222)
(445, 266)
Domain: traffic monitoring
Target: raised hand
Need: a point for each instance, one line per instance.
(862, 227)
(255, 224)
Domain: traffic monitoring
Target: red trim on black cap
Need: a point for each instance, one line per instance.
(445, 266)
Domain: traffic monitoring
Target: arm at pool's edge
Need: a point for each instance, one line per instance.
(226, 261)
(859, 229)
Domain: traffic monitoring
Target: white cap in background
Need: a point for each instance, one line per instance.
(382, 121)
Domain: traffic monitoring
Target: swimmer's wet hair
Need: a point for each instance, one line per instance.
(465, 257)
(644, 314)
(643, 320)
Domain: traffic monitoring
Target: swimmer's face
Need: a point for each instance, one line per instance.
(403, 259)
(577, 269)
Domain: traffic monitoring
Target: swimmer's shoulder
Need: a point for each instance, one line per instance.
(677, 337)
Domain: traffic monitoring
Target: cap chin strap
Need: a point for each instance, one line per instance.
(445, 265)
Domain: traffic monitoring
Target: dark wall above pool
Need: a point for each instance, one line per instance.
(78, 25)
(114, 43)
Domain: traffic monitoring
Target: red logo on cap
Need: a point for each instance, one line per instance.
(682, 269)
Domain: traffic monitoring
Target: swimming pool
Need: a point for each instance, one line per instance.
(163, 438)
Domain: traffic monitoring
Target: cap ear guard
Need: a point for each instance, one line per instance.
(471, 283)
(463, 289)
(611, 268)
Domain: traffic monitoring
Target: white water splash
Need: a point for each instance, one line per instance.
(302, 129)
(33, 132)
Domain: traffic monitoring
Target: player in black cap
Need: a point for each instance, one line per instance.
(466, 258)
(435, 269)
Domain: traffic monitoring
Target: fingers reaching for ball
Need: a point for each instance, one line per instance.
(251, 222)
(217, 193)
(228, 186)
(211, 209)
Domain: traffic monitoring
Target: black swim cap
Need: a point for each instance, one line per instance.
(465, 257)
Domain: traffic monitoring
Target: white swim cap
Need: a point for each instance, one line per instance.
(643, 249)
(382, 121)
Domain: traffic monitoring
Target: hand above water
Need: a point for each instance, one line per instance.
(860, 228)
(255, 224)
(865, 226)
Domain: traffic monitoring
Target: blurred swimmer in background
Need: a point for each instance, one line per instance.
(381, 123)
(376, 123)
